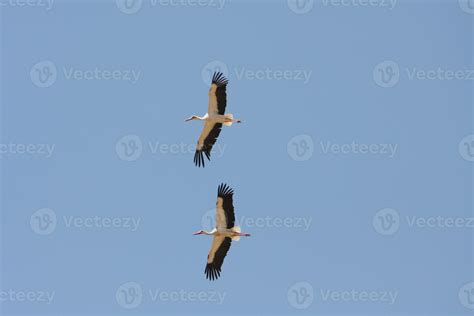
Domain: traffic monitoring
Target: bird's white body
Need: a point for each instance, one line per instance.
(234, 233)
(214, 119)
(226, 119)
(224, 233)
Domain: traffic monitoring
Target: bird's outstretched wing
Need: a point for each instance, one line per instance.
(225, 217)
(215, 259)
(207, 139)
(217, 94)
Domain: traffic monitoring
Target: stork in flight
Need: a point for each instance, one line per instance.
(224, 233)
(214, 118)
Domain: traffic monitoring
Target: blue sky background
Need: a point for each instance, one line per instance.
(278, 161)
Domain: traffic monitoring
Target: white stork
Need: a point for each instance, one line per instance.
(214, 118)
(224, 232)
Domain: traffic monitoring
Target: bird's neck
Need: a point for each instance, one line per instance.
(212, 232)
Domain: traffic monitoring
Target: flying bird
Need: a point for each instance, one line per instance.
(224, 233)
(214, 118)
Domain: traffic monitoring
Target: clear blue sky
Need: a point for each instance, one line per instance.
(348, 179)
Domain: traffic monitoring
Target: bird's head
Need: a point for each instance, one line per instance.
(199, 232)
(194, 117)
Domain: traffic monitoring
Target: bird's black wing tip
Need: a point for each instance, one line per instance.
(199, 160)
(224, 190)
(212, 273)
(219, 79)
